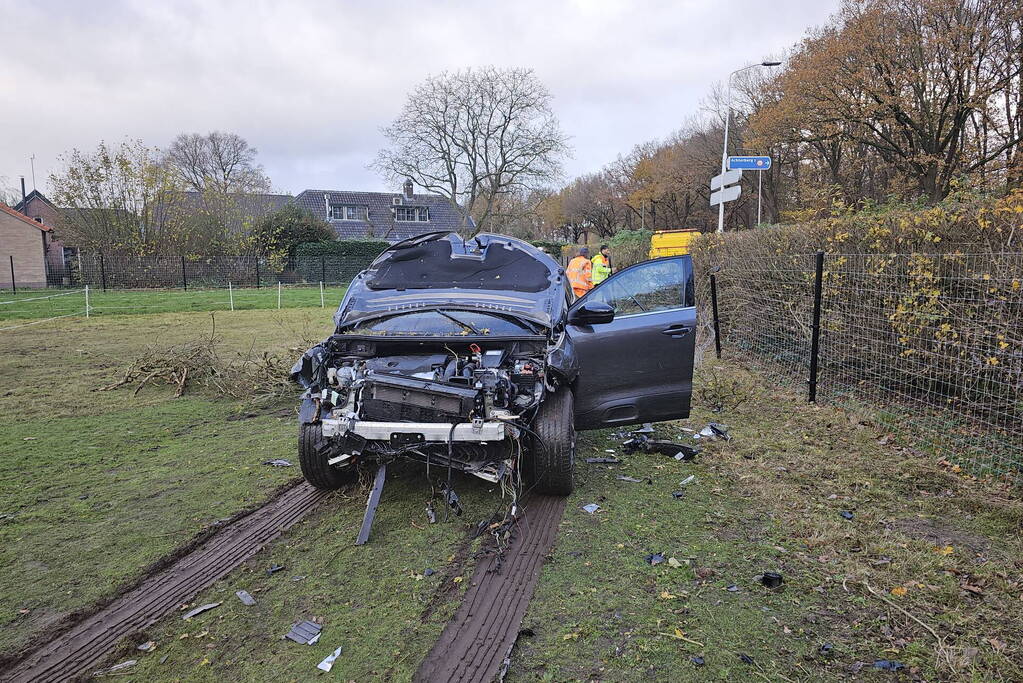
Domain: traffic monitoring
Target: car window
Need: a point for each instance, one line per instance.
(442, 323)
(651, 286)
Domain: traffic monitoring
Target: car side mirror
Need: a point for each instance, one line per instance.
(591, 313)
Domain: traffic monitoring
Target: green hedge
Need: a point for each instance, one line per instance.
(338, 261)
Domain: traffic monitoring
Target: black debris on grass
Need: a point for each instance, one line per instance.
(888, 665)
(655, 559)
(746, 659)
(697, 661)
(771, 579)
(304, 632)
(274, 568)
(846, 514)
(428, 572)
(604, 461)
(277, 462)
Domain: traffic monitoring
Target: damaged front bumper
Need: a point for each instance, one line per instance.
(420, 432)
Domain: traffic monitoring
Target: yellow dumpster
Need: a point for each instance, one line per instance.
(671, 242)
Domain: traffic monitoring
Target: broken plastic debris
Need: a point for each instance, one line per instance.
(328, 662)
(746, 659)
(116, 668)
(200, 609)
(245, 598)
(733, 588)
(647, 428)
(688, 480)
(431, 514)
(846, 514)
(147, 646)
(622, 477)
(771, 579)
(305, 632)
(278, 462)
(827, 649)
(698, 661)
(677, 495)
(591, 508)
(604, 461)
(451, 498)
(429, 572)
(888, 665)
(274, 568)
(713, 431)
(655, 559)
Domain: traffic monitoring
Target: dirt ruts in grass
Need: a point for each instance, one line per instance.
(86, 637)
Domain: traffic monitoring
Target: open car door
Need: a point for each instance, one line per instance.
(639, 366)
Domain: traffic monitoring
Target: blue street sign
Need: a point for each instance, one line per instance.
(749, 163)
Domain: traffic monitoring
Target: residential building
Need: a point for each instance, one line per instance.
(36, 206)
(23, 246)
(381, 215)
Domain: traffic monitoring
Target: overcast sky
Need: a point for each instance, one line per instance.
(310, 84)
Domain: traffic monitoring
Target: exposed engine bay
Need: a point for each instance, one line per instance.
(463, 405)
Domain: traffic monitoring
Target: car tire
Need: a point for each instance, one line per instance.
(552, 461)
(314, 460)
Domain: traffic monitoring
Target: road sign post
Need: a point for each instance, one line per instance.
(757, 163)
(723, 190)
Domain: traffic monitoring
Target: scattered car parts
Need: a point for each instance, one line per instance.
(200, 609)
(304, 632)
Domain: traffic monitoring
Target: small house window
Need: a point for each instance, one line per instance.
(412, 214)
(346, 212)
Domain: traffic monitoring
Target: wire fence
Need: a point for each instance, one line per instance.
(106, 271)
(933, 343)
(33, 307)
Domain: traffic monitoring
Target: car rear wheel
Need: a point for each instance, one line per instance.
(552, 461)
(312, 456)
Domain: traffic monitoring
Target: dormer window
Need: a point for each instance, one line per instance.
(347, 212)
(412, 214)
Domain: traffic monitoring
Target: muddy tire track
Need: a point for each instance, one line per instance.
(86, 644)
(476, 641)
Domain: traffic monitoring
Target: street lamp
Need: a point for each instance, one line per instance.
(728, 118)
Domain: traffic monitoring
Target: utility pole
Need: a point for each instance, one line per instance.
(728, 118)
(32, 160)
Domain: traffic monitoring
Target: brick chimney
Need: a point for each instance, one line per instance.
(408, 188)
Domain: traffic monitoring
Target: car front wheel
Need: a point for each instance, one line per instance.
(313, 456)
(552, 461)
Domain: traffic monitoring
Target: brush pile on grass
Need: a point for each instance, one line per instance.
(260, 379)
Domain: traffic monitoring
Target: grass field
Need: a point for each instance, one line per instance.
(927, 548)
(47, 303)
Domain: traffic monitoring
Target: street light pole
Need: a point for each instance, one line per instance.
(728, 118)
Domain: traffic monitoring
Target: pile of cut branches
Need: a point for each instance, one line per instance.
(260, 379)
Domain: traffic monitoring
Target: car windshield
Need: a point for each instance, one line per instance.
(442, 324)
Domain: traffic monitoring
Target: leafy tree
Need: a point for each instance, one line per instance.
(277, 235)
(114, 199)
(475, 136)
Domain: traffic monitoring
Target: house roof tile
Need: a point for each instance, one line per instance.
(23, 217)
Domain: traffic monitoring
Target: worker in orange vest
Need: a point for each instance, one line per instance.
(580, 272)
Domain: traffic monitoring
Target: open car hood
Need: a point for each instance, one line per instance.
(436, 270)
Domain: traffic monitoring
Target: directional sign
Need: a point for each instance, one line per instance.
(728, 194)
(726, 178)
(749, 163)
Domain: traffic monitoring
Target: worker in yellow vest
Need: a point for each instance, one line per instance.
(601, 265)
(580, 272)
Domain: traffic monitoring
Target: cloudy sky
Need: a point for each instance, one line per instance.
(310, 83)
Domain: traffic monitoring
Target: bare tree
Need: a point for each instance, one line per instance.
(8, 193)
(220, 162)
(475, 136)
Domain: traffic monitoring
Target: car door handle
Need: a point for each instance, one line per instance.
(676, 331)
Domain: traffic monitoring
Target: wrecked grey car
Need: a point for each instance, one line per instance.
(471, 355)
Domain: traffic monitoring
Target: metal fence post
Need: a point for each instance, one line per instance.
(102, 272)
(14, 285)
(278, 294)
(815, 338)
(230, 292)
(714, 308)
(321, 293)
(323, 269)
(184, 280)
(257, 272)
(86, 301)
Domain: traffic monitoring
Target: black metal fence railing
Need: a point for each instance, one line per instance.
(933, 342)
(105, 271)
